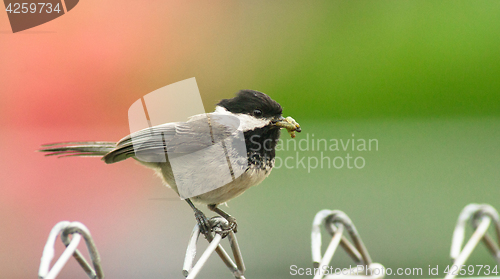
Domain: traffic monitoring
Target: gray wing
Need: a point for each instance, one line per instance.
(175, 139)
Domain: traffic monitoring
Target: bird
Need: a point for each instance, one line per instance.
(245, 127)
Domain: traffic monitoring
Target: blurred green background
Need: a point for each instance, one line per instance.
(421, 77)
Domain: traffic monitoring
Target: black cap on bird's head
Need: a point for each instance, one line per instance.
(257, 110)
(253, 103)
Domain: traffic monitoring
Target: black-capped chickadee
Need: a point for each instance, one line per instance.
(257, 123)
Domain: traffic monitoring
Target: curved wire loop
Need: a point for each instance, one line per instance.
(335, 222)
(220, 228)
(480, 217)
(476, 213)
(78, 230)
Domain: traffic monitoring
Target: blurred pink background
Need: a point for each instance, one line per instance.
(73, 79)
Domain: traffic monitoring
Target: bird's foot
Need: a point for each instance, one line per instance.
(232, 223)
(203, 222)
(220, 225)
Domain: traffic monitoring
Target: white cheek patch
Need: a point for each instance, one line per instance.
(247, 122)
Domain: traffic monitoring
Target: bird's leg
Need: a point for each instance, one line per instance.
(232, 221)
(203, 223)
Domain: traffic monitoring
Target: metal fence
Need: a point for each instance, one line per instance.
(336, 223)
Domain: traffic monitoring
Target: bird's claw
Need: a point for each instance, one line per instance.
(218, 224)
(232, 224)
(223, 226)
(203, 222)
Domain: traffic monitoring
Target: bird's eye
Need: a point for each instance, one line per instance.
(257, 113)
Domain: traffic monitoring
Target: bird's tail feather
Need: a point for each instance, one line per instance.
(81, 149)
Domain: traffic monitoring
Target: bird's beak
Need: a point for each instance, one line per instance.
(288, 123)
